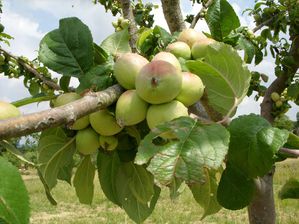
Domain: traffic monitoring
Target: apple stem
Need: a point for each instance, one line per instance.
(154, 82)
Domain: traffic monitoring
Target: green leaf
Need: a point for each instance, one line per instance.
(176, 187)
(248, 47)
(14, 200)
(46, 187)
(69, 49)
(83, 180)
(64, 83)
(100, 56)
(221, 19)
(293, 90)
(34, 88)
(98, 78)
(225, 77)
(136, 210)
(253, 144)
(235, 190)
(117, 43)
(108, 165)
(33, 99)
(55, 152)
(290, 190)
(205, 195)
(196, 147)
(17, 153)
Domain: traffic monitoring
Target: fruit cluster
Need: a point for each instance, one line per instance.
(158, 91)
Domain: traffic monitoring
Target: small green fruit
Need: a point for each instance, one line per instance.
(158, 82)
(275, 96)
(104, 123)
(108, 142)
(66, 98)
(179, 49)
(87, 141)
(161, 113)
(127, 67)
(8, 110)
(190, 36)
(278, 103)
(192, 89)
(130, 109)
(199, 48)
(168, 57)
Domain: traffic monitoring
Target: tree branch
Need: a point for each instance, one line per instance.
(263, 24)
(66, 114)
(128, 14)
(290, 152)
(199, 14)
(173, 15)
(280, 83)
(32, 70)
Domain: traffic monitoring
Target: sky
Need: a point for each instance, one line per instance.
(28, 21)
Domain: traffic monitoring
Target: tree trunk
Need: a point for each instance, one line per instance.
(262, 209)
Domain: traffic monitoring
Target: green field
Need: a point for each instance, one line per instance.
(182, 210)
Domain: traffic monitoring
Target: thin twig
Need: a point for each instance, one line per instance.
(32, 70)
(263, 24)
(198, 16)
(290, 152)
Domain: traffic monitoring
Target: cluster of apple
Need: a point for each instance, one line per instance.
(159, 90)
(120, 24)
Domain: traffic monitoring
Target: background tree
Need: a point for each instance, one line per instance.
(251, 144)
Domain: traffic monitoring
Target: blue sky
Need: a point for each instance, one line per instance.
(28, 21)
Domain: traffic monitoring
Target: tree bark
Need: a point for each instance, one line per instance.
(173, 15)
(128, 14)
(262, 209)
(66, 114)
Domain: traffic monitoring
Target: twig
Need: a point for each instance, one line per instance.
(290, 152)
(66, 114)
(263, 24)
(32, 70)
(198, 16)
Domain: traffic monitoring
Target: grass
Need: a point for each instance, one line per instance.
(182, 210)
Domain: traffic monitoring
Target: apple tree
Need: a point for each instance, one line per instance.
(156, 109)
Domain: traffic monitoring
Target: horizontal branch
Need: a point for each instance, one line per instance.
(55, 117)
(32, 70)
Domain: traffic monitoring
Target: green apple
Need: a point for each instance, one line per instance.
(87, 141)
(127, 67)
(108, 142)
(8, 110)
(130, 109)
(158, 114)
(104, 123)
(159, 82)
(168, 57)
(192, 89)
(199, 49)
(179, 49)
(66, 98)
(190, 36)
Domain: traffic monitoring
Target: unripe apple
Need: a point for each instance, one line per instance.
(168, 57)
(130, 109)
(275, 96)
(87, 141)
(179, 49)
(192, 89)
(190, 36)
(127, 67)
(199, 49)
(104, 123)
(158, 82)
(108, 142)
(66, 98)
(8, 110)
(158, 114)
